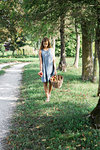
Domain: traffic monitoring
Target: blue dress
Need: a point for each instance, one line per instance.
(47, 65)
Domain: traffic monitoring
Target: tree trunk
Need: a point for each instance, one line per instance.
(95, 64)
(87, 61)
(13, 53)
(62, 63)
(98, 44)
(77, 46)
(38, 44)
(95, 114)
(23, 52)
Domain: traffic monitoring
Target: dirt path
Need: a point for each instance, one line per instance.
(6, 64)
(9, 91)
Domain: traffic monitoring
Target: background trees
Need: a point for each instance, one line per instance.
(72, 24)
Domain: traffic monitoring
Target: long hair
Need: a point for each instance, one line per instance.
(45, 39)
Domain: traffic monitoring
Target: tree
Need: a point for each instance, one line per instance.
(98, 42)
(10, 20)
(62, 63)
(53, 13)
(85, 15)
(87, 60)
(95, 114)
(95, 64)
(77, 45)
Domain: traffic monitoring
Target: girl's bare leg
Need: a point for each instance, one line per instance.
(46, 90)
(50, 88)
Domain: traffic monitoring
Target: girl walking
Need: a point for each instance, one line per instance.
(47, 66)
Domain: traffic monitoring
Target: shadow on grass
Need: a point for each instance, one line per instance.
(72, 77)
(51, 125)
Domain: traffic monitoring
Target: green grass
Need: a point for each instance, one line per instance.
(5, 60)
(2, 72)
(7, 67)
(60, 124)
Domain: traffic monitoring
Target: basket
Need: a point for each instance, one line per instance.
(59, 81)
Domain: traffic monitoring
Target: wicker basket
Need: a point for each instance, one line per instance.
(58, 83)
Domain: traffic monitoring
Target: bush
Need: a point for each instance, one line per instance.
(2, 48)
(70, 46)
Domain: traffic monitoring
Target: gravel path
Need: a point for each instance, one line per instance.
(6, 64)
(9, 91)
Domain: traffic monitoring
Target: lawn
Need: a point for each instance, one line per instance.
(7, 60)
(2, 72)
(60, 124)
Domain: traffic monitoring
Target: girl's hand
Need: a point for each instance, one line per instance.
(40, 73)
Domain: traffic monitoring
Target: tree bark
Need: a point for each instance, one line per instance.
(95, 64)
(62, 63)
(98, 44)
(87, 60)
(95, 114)
(77, 46)
(23, 52)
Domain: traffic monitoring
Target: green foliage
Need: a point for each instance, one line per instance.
(2, 48)
(21, 41)
(70, 46)
(10, 59)
(2, 72)
(41, 18)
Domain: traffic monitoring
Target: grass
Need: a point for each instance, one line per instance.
(2, 72)
(7, 67)
(5, 60)
(60, 124)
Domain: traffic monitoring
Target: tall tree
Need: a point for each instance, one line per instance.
(62, 63)
(98, 42)
(87, 60)
(95, 64)
(77, 45)
(95, 114)
(84, 13)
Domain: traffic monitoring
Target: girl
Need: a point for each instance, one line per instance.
(47, 65)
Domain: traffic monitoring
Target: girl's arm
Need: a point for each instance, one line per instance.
(54, 63)
(40, 58)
